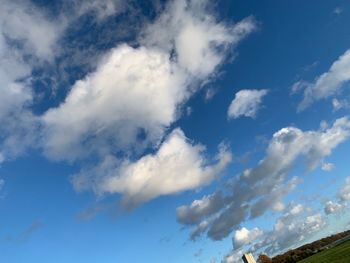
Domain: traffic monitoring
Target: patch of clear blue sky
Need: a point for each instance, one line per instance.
(292, 36)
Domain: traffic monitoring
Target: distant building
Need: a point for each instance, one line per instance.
(248, 258)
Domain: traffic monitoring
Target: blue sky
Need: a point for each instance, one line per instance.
(171, 131)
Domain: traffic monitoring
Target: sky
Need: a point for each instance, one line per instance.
(171, 131)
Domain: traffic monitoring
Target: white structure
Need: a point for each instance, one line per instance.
(248, 258)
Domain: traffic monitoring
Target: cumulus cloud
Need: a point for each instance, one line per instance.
(176, 166)
(135, 93)
(126, 105)
(262, 187)
(246, 103)
(327, 84)
(332, 207)
(244, 236)
(292, 228)
(292, 231)
(341, 201)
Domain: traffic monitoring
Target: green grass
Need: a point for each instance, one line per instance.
(338, 254)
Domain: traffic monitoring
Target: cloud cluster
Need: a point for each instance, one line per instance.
(129, 102)
(292, 228)
(123, 108)
(337, 205)
(261, 188)
(135, 93)
(246, 103)
(327, 84)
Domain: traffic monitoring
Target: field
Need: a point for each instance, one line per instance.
(338, 254)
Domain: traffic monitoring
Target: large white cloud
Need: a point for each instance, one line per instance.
(134, 90)
(138, 91)
(327, 84)
(246, 103)
(176, 166)
(125, 105)
(261, 188)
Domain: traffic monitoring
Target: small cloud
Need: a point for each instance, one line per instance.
(189, 111)
(327, 167)
(209, 94)
(338, 10)
(246, 103)
(299, 86)
(339, 104)
(165, 239)
(26, 234)
(2, 183)
(325, 85)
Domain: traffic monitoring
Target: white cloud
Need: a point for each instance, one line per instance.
(176, 166)
(261, 188)
(26, 35)
(138, 91)
(132, 91)
(340, 104)
(328, 167)
(332, 207)
(246, 103)
(344, 193)
(290, 230)
(199, 41)
(244, 236)
(2, 183)
(24, 22)
(329, 83)
(102, 8)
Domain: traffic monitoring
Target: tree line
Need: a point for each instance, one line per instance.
(297, 254)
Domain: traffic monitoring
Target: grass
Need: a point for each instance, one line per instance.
(338, 254)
